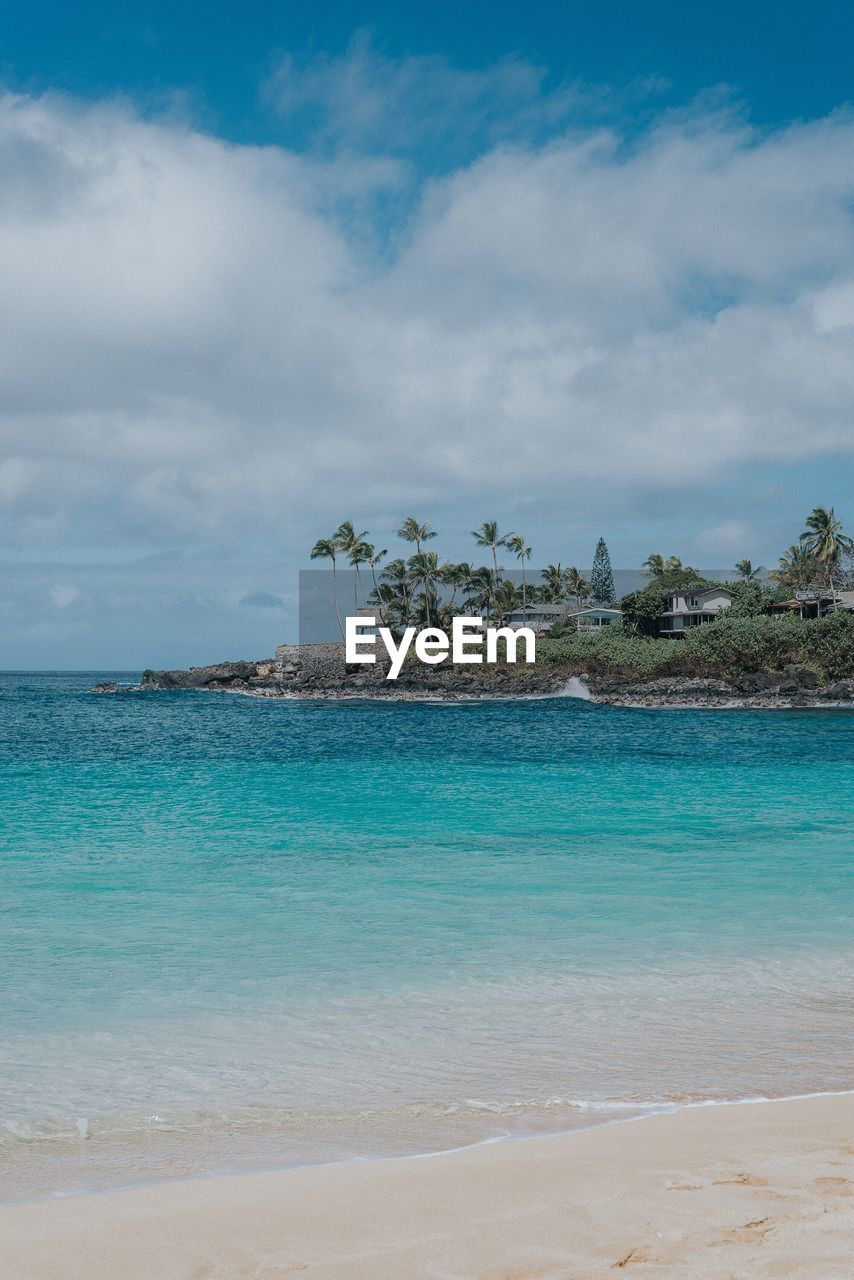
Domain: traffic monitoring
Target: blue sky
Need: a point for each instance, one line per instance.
(585, 268)
(786, 60)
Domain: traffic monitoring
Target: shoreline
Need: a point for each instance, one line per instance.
(639, 1112)
(455, 699)
(766, 1174)
(648, 704)
(636, 701)
(318, 672)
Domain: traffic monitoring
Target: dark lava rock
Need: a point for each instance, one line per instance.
(221, 675)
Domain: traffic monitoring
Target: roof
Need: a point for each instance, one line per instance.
(544, 610)
(843, 598)
(700, 591)
(689, 612)
(596, 611)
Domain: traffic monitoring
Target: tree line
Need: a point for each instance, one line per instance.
(423, 590)
(821, 558)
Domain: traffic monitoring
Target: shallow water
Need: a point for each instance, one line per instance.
(239, 932)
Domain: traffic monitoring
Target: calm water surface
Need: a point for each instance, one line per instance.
(240, 932)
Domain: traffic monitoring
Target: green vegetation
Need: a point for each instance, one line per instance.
(825, 542)
(724, 648)
(424, 590)
(601, 577)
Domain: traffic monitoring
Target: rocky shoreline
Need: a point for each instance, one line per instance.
(782, 690)
(319, 671)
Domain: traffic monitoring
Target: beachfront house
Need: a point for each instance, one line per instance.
(539, 617)
(815, 602)
(691, 607)
(595, 618)
(370, 611)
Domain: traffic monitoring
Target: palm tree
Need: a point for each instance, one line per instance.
(480, 590)
(351, 543)
(517, 544)
(796, 569)
(576, 584)
(360, 553)
(824, 540)
(395, 577)
(425, 569)
(346, 535)
(427, 611)
(653, 566)
(327, 549)
(411, 531)
(455, 576)
(746, 571)
(392, 605)
(487, 536)
(373, 560)
(505, 598)
(553, 589)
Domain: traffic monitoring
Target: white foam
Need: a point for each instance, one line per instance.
(576, 688)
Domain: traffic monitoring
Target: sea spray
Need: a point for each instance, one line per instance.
(576, 688)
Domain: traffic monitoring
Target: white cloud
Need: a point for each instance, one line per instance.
(833, 307)
(63, 594)
(727, 540)
(361, 99)
(195, 341)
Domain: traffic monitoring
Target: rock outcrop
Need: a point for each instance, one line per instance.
(793, 687)
(223, 675)
(319, 671)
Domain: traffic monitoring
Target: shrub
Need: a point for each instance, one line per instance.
(750, 599)
(726, 647)
(641, 610)
(612, 651)
(730, 645)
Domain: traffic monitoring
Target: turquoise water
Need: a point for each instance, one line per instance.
(240, 932)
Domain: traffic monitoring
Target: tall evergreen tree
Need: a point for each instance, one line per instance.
(601, 577)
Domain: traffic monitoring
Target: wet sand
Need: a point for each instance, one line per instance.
(737, 1191)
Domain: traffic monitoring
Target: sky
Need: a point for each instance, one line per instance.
(585, 269)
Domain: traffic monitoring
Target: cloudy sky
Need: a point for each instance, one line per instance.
(261, 273)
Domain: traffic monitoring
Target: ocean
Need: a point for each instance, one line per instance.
(244, 933)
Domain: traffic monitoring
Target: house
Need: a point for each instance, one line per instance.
(539, 617)
(691, 607)
(595, 618)
(370, 611)
(815, 602)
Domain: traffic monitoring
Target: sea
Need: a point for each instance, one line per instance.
(243, 933)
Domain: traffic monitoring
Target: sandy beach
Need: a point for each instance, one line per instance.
(762, 1189)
